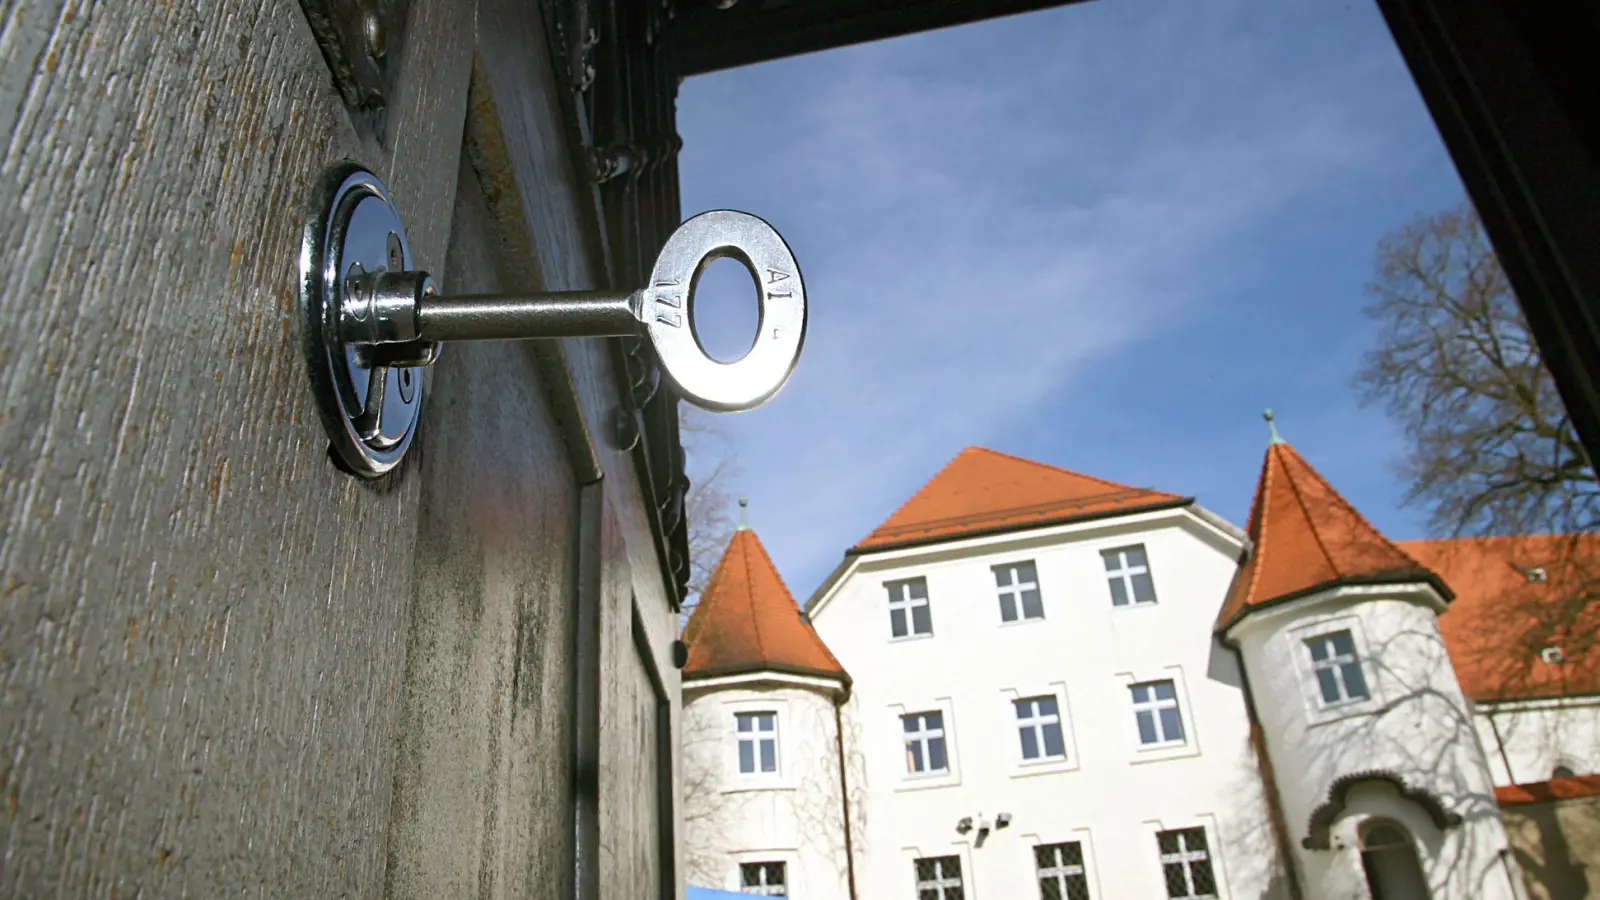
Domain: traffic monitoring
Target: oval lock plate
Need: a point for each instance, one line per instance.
(753, 378)
(369, 413)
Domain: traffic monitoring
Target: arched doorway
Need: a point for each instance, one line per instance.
(1389, 858)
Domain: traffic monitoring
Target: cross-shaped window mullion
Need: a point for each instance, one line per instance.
(945, 881)
(1189, 853)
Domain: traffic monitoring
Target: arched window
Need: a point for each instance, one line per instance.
(1389, 858)
(1562, 771)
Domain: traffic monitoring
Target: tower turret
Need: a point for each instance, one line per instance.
(1381, 779)
(762, 796)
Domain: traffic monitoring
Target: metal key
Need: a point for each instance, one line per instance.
(369, 331)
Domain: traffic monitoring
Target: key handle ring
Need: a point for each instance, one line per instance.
(668, 310)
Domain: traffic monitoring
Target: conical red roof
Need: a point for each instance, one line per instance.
(1307, 538)
(747, 621)
(982, 491)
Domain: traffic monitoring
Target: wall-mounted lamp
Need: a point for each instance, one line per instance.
(983, 831)
(964, 826)
(1001, 821)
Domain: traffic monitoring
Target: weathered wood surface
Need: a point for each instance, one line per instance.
(484, 789)
(534, 193)
(203, 623)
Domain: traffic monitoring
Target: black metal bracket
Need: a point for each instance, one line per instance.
(361, 41)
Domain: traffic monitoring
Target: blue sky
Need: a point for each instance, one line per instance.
(1104, 236)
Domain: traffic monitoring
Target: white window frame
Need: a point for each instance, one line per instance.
(1186, 856)
(1059, 871)
(1206, 822)
(1146, 753)
(1318, 712)
(1085, 841)
(913, 781)
(1036, 723)
(1015, 590)
(942, 881)
(755, 737)
(1337, 663)
(764, 889)
(1154, 706)
(1125, 572)
(902, 600)
(784, 778)
(789, 856)
(1023, 767)
(925, 735)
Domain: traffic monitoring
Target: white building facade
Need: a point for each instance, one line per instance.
(1043, 700)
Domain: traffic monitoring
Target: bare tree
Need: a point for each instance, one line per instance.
(1491, 449)
(712, 466)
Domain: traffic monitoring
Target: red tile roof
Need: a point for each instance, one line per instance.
(982, 491)
(1500, 622)
(747, 621)
(1543, 791)
(1306, 538)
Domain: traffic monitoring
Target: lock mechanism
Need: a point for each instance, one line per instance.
(371, 323)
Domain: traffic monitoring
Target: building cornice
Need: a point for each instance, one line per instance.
(1344, 591)
(770, 676)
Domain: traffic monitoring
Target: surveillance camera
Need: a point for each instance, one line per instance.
(1002, 820)
(965, 825)
(983, 826)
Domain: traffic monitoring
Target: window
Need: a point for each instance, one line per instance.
(765, 878)
(1338, 669)
(758, 742)
(925, 742)
(1039, 726)
(1389, 860)
(939, 878)
(1155, 707)
(1061, 874)
(1018, 584)
(908, 608)
(1186, 863)
(1128, 572)
(1563, 771)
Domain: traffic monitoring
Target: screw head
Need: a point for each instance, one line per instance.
(372, 29)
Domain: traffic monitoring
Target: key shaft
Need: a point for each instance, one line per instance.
(499, 317)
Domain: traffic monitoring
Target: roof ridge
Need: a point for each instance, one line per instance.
(778, 576)
(1300, 501)
(1259, 515)
(980, 488)
(755, 621)
(914, 494)
(1009, 510)
(1062, 469)
(1350, 508)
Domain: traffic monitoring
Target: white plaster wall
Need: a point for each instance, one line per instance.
(794, 816)
(1109, 795)
(1416, 724)
(1526, 740)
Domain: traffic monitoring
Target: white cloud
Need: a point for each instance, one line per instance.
(979, 235)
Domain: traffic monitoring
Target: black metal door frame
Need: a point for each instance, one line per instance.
(1507, 85)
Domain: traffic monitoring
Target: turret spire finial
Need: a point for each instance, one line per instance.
(744, 513)
(1272, 426)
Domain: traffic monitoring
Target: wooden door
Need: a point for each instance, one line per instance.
(228, 667)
